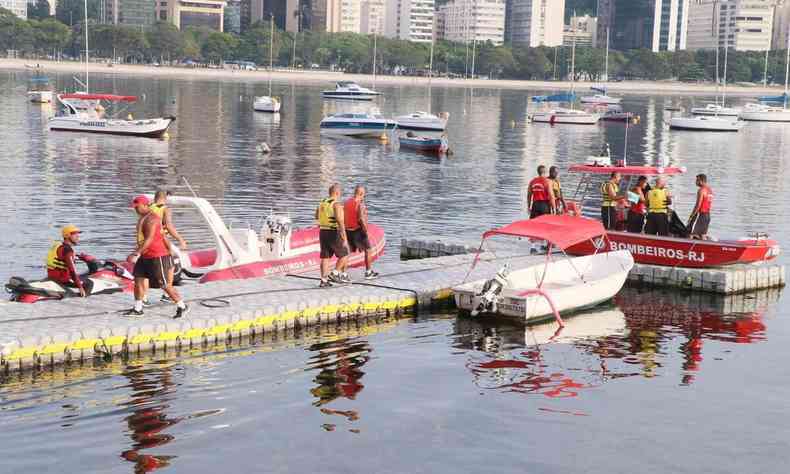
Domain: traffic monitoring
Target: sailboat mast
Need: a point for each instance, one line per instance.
(430, 76)
(787, 63)
(724, 85)
(606, 61)
(374, 60)
(573, 61)
(765, 69)
(271, 53)
(87, 73)
(717, 72)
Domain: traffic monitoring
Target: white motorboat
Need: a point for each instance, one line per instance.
(369, 124)
(715, 110)
(561, 115)
(39, 89)
(544, 291)
(423, 121)
(349, 90)
(765, 113)
(706, 123)
(266, 103)
(600, 99)
(82, 112)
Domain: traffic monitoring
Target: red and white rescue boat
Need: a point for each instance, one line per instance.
(657, 250)
(83, 112)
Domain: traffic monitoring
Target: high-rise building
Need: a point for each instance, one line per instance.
(264, 10)
(410, 20)
(371, 13)
(781, 26)
(350, 15)
(535, 22)
(128, 12)
(184, 13)
(582, 30)
(17, 7)
(743, 25)
(658, 25)
(474, 20)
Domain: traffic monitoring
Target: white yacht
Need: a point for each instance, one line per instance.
(570, 116)
(83, 112)
(706, 123)
(423, 121)
(266, 103)
(349, 90)
(765, 113)
(715, 110)
(600, 99)
(369, 124)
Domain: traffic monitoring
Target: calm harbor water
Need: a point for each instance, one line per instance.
(655, 382)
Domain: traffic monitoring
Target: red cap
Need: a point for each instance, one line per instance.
(140, 200)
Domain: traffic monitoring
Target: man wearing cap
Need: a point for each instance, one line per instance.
(152, 260)
(60, 261)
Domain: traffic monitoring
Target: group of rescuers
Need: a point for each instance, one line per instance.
(648, 207)
(343, 229)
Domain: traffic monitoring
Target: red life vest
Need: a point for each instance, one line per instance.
(540, 189)
(351, 214)
(158, 247)
(707, 200)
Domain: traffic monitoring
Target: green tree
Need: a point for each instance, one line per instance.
(15, 33)
(50, 35)
(254, 43)
(494, 60)
(218, 46)
(165, 41)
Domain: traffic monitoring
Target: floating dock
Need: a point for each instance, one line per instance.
(75, 330)
(723, 280)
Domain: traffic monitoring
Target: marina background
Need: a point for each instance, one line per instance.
(692, 376)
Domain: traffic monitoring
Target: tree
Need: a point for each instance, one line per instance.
(494, 60)
(15, 33)
(72, 12)
(165, 41)
(50, 34)
(218, 46)
(254, 43)
(38, 10)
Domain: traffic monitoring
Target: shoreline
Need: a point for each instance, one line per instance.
(328, 77)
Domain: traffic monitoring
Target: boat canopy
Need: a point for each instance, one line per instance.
(108, 97)
(562, 231)
(775, 98)
(567, 97)
(628, 170)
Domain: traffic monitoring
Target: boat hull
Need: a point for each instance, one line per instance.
(713, 113)
(778, 116)
(271, 106)
(546, 117)
(348, 96)
(433, 145)
(685, 253)
(600, 100)
(569, 294)
(705, 124)
(40, 97)
(306, 258)
(138, 128)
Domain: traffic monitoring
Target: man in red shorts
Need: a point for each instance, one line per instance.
(356, 216)
(152, 260)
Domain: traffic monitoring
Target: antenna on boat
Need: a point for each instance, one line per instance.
(186, 181)
(625, 146)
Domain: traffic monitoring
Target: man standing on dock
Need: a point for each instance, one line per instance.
(356, 219)
(700, 216)
(332, 238)
(658, 201)
(159, 207)
(540, 195)
(152, 260)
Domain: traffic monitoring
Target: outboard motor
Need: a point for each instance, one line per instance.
(276, 236)
(487, 298)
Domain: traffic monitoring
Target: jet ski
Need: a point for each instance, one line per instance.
(102, 277)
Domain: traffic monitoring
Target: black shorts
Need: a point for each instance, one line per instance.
(358, 240)
(636, 222)
(609, 217)
(539, 208)
(699, 225)
(657, 223)
(154, 269)
(331, 244)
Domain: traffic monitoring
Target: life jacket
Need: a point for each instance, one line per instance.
(555, 186)
(351, 214)
(159, 210)
(657, 201)
(540, 189)
(606, 200)
(326, 215)
(57, 268)
(707, 201)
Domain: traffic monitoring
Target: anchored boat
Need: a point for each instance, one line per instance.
(350, 90)
(704, 123)
(673, 251)
(83, 112)
(543, 291)
(423, 121)
(425, 144)
(367, 124)
(39, 88)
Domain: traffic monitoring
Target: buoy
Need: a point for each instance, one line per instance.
(512, 124)
(165, 136)
(129, 117)
(384, 138)
(264, 148)
(241, 99)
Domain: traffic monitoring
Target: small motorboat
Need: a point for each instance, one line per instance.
(705, 123)
(349, 90)
(566, 116)
(765, 113)
(423, 121)
(671, 251)
(102, 278)
(544, 291)
(368, 124)
(39, 88)
(83, 112)
(266, 103)
(715, 110)
(615, 113)
(424, 144)
(601, 99)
